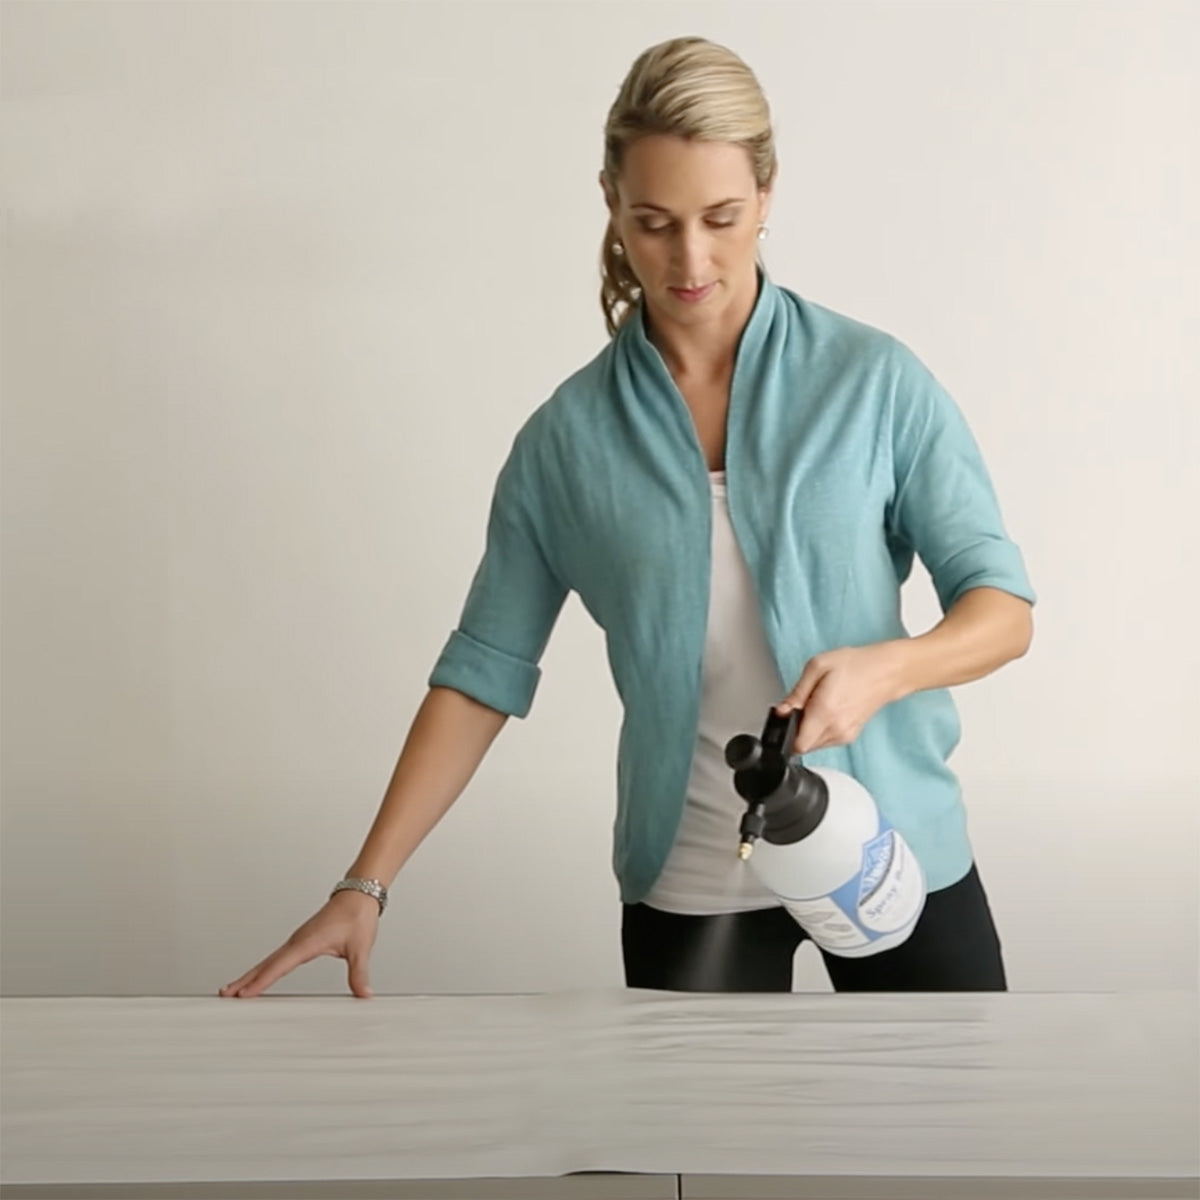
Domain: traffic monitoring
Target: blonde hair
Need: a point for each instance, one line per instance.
(692, 88)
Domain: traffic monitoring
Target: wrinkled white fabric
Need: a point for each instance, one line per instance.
(404, 1087)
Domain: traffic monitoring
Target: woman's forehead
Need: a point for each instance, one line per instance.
(671, 172)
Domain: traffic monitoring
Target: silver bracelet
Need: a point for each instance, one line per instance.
(372, 887)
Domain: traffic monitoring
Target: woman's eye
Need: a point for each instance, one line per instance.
(665, 228)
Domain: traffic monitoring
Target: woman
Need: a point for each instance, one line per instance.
(736, 487)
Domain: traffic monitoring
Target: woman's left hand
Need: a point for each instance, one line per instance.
(841, 690)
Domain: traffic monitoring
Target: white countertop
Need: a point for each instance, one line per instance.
(123, 1089)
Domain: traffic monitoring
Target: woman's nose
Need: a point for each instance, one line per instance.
(690, 254)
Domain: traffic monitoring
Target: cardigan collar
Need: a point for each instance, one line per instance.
(645, 381)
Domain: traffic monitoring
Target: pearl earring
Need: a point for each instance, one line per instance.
(618, 249)
(763, 231)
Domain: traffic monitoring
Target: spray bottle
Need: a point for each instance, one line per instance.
(838, 866)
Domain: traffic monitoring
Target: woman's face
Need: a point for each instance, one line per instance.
(688, 214)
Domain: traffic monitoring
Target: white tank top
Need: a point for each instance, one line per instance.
(703, 873)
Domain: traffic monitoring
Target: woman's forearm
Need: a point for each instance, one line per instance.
(984, 629)
(448, 740)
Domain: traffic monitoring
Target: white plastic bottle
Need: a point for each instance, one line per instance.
(821, 845)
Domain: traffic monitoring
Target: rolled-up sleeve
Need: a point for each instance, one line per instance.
(944, 505)
(512, 605)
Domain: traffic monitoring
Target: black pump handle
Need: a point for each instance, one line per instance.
(745, 751)
(779, 733)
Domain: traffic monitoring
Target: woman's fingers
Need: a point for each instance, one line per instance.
(274, 967)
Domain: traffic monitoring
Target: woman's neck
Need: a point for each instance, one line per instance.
(705, 352)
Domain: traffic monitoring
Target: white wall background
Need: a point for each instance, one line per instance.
(281, 281)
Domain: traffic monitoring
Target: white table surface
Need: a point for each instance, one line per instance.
(127, 1090)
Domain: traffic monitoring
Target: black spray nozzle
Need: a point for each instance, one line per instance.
(751, 828)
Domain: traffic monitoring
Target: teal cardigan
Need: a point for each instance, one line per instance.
(844, 457)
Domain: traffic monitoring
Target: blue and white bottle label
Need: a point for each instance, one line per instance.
(883, 898)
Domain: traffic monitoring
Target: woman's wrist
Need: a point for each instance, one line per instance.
(904, 663)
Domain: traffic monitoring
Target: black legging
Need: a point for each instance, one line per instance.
(954, 948)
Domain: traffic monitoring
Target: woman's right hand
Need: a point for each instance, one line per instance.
(344, 928)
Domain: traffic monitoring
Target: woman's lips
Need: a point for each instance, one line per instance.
(693, 296)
